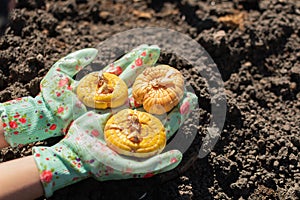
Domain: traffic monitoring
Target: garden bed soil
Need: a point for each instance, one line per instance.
(256, 46)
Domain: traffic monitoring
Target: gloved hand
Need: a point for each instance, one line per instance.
(31, 119)
(47, 115)
(83, 152)
(128, 68)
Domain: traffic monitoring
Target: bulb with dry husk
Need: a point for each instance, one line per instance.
(101, 91)
(135, 133)
(159, 89)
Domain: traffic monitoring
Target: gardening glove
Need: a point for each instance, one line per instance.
(138, 60)
(47, 115)
(83, 153)
(146, 56)
(31, 119)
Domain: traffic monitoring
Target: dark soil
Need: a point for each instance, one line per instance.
(256, 46)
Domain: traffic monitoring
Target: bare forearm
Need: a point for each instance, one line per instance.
(19, 179)
(3, 142)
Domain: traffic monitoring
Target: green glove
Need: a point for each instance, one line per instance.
(128, 68)
(31, 119)
(47, 115)
(143, 56)
(83, 153)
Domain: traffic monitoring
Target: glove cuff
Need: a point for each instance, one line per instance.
(58, 166)
(27, 120)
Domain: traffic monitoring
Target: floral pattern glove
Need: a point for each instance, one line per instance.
(129, 67)
(47, 115)
(31, 119)
(83, 152)
(133, 63)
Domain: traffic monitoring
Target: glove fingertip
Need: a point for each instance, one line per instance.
(156, 47)
(171, 159)
(86, 56)
(172, 156)
(176, 153)
(74, 62)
